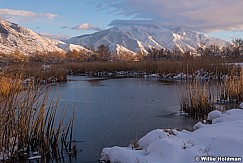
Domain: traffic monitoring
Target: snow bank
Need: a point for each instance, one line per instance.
(220, 140)
(241, 105)
(214, 114)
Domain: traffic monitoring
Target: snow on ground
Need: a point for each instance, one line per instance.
(217, 142)
(237, 64)
(241, 105)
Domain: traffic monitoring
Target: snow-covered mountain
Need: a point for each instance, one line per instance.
(16, 38)
(123, 39)
(142, 37)
(118, 49)
(71, 47)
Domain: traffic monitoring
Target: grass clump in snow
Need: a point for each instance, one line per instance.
(29, 125)
(196, 100)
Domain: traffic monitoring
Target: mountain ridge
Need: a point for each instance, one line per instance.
(142, 37)
(14, 37)
(127, 39)
(18, 38)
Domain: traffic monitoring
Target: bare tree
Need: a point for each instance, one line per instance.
(153, 53)
(237, 46)
(103, 53)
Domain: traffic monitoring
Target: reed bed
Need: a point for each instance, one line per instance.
(5, 86)
(29, 125)
(162, 67)
(58, 71)
(231, 89)
(40, 71)
(197, 100)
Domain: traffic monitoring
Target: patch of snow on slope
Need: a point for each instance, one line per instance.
(71, 47)
(118, 49)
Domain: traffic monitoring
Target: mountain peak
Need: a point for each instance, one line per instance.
(141, 37)
(122, 38)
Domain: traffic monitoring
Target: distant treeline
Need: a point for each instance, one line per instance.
(103, 54)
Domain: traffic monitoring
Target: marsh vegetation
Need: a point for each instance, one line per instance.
(198, 99)
(30, 128)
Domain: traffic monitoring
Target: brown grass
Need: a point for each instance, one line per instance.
(4, 87)
(231, 89)
(196, 100)
(186, 66)
(59, 71)
(29, 123)
(9, 83)
(40, 71)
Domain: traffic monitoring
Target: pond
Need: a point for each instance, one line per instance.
(116, 111)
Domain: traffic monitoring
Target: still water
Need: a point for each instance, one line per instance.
(116, 111)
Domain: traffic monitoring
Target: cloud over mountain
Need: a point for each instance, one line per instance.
(200, 15)
(86, 26)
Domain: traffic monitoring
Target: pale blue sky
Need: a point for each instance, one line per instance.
(68, 18)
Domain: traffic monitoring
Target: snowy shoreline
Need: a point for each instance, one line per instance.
(220, 141)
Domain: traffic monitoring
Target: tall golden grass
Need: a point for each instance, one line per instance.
(231, 89)
(29, 122)
(197, 100)
(5, 86)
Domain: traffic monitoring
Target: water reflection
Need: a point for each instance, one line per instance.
(96, 82)
(115, 112)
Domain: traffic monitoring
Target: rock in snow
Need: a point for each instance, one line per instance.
(215, 142)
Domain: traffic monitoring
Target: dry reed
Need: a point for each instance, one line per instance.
(231, 89)
(218, 67)
(197, 101)
(29, 123)
(58, 71)
(40, 71)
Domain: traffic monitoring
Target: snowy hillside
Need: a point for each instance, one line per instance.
(143, 37)
(118, 49)
(14, 37)
(71, 47)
